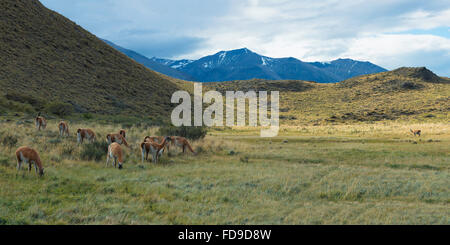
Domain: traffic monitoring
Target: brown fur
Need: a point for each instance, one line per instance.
(182, 143)
(63, 128)
(115, 152)
(40, 122)
(118, 138)
(153, 147)
(416, 132)
(123, 133)
(158, 139)
(26, 154)
(87, 134)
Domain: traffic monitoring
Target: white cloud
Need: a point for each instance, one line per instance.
(379, 31)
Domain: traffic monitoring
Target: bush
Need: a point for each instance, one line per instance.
(192, 133)
(9, 141)
(87, 116)
(59, 108)
(26, 99)
(94, 151)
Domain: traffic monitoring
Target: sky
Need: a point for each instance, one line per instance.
(389, 33)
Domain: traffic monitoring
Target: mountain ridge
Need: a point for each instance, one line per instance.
(48, 58)
(244, 64)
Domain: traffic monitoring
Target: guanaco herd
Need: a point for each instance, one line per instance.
(155, 145)
(152, 144)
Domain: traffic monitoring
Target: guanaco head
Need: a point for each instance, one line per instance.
(79, 130)
(146, 137)
(41, 172)
(122, 132)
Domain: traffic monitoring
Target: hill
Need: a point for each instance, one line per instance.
(412, 94)
(45, 57)
(151, 64)
(243, 64)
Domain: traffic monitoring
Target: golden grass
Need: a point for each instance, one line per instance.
(333, 174)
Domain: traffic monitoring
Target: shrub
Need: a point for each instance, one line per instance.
(27, 99)
(59, 108)
(94, 151)
(87, 116)
(9, 141)
(193, 133)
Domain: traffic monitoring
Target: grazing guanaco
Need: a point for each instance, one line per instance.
(416, 132)
(156, 149)
(40, 122)
(123, 133)
(30, 156)
(119, 138)
(158, 139)
(63, 128)
(85, 134)
(182, 142)
(115, 152)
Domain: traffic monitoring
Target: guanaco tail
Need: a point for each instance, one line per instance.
(27, 155)
(115, 152)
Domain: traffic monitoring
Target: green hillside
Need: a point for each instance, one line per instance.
(403, 94)
(45, 57)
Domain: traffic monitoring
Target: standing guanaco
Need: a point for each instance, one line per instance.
(87, 134)
(40, 122)
(158, 139)
(115, 152)
(63, 128)
(30, 156)
(182, 142)
(119, 138)
(156, 149)
(416, 132)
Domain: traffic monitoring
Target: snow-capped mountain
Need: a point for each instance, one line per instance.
(243, 64)
(158, 66)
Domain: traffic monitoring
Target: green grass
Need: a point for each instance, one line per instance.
(295, 178)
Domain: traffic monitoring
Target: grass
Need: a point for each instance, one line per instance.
(344, 174)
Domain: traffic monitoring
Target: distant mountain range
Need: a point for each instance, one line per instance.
(243, 64)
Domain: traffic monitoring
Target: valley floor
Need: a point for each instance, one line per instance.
(336, 174)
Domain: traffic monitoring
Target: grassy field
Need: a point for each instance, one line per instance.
(367, 173)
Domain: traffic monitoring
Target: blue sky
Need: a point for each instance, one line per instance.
(390, 33)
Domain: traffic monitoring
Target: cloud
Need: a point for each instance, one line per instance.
(387, 32)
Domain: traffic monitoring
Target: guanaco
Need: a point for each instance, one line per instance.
(156, 149)
(182, 142)
(87, 134)
(123, 133)
(115, 152)
(158, 139)
(40, 122)
(30, 156)
(63, 128)
(119, 138)
(416, 132)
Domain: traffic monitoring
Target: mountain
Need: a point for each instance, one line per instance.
(412, 94)
(243, 64)
(159, 66)
(45, 57)
(347, 68)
